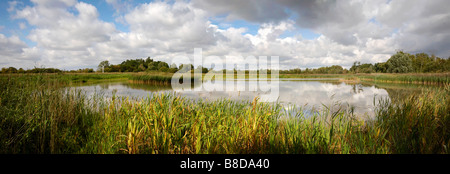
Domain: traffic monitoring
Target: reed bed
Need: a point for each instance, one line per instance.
(151, 78)
(412, 78)
(315, 75)
(38, 116)
(94, 77)
(156, 79)
(426, 79)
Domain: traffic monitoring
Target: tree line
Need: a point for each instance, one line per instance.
(400, 62)
(43, 70)
(335, 69)
(147, 65)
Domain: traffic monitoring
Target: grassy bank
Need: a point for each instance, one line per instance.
(160, 78)
(69, 78)
(38, 116)
(151, 79)
(94, 77)
(165, 78)
(315, 75)
(421, 78)
(411, 78)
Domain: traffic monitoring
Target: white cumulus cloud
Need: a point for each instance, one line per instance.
(70, 34)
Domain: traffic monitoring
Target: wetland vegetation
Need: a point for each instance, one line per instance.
(46, 110)
(39, 114)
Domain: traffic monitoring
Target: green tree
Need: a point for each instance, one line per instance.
(9, 70)
(173, 66)
(141, 67)
(148, 60)
(185, 68)
(172, 70)
(164, 69)
(21, 70)
(114, 68)
(202, 69)
(419, 61)
(366, 68)
(380, 67)
(335, 69)
(399, 63)
(162, 64)
(104, 64)
(447, 65)
(354, 68)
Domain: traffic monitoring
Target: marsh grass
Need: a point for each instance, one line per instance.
(422, 78)
(410, 78)
(38, 115)
(158, 79)
(152, 78)
(420, 124)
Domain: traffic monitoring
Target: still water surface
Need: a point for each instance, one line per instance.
(310, 94)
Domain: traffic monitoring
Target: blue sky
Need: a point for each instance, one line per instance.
(9, 25)
(68, 34)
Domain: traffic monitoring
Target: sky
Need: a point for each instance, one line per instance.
(73, 34)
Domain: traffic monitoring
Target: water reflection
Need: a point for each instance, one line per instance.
(310, 95)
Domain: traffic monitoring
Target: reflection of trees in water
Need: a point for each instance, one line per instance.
(357, 88)
(104, 85)
(397, 95)
(396, 92)
(333, 82)
(148, 87)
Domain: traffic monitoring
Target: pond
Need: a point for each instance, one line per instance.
(310, 94)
